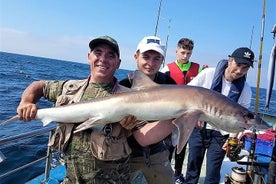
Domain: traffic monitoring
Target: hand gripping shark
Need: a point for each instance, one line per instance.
(150, 101)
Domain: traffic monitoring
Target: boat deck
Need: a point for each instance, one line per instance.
(57, 174)
(226, 168)
(202, 174)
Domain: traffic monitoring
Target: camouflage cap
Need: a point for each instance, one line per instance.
(105, 39)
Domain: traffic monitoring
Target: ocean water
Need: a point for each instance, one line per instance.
(16, 73)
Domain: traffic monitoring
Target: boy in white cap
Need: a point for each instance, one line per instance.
(152, 160)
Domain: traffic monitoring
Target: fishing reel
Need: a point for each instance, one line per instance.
(234, 148)
(238, 176)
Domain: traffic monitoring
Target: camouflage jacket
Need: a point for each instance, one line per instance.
(113, 147)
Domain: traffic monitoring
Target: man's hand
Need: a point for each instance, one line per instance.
(199, 124)
(26, 111)
(225, 146)
(129, 122)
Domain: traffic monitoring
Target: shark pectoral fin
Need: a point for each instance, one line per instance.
(46, 121)
(92, 122)
(185, 125)
(14, 118)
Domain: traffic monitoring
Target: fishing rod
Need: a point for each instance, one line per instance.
(251, 38)
(166, 46)
(260, 60)
(158, 16)
(156, 29)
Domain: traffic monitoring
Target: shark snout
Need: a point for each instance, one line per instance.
(258, 123)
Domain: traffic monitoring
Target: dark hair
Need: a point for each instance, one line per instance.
(186, 43)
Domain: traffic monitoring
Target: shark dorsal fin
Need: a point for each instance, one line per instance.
(123, 89)
(141, 81)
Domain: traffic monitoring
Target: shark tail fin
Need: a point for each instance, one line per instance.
(14, 118)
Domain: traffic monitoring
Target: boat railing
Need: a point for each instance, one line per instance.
(48, 156)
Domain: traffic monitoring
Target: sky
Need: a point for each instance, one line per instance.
(62, 29)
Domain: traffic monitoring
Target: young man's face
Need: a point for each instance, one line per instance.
(183, 55)
(235, 70)
(149, 62)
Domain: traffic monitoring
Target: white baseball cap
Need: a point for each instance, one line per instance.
(151, 43)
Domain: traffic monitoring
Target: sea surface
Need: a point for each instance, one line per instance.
(16, 73)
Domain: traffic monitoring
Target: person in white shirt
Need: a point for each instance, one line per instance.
(228, 78)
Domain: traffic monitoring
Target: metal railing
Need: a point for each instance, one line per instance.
(48, 156)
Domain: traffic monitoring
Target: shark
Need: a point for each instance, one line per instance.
(146, 100)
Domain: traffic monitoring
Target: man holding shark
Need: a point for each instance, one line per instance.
(91, 156)
(229, 79)
(152, 160)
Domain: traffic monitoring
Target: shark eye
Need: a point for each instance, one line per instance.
(250, 115)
